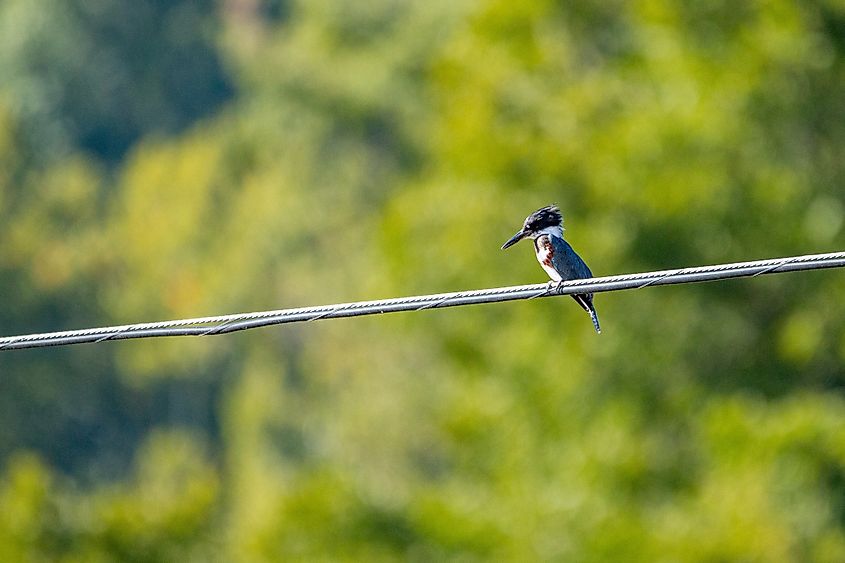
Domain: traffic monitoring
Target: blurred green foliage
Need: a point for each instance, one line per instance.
(167, 159)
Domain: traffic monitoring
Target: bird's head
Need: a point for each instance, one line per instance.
(546, 220)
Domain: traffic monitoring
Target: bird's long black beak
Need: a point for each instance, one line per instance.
(514, 239)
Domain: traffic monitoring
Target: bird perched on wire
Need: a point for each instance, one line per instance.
(558, 259)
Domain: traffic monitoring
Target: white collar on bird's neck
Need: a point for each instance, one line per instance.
(555, 231)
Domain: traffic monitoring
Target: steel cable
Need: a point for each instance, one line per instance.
(224, 324)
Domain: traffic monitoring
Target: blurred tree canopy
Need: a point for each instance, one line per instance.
(97, 76)
(170, 159)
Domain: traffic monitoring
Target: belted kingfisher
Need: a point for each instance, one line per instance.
(558, 259)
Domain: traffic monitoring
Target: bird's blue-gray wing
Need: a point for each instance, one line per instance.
(567, 262)
(570, 267)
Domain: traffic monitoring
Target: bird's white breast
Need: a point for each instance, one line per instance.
(552, 273)
(545, 251)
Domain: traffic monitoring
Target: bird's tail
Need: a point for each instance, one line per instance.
(595, 318)
(586, 302)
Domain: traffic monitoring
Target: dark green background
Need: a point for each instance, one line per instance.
(177, 159)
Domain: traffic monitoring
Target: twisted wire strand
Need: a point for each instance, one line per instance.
(224, 324)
